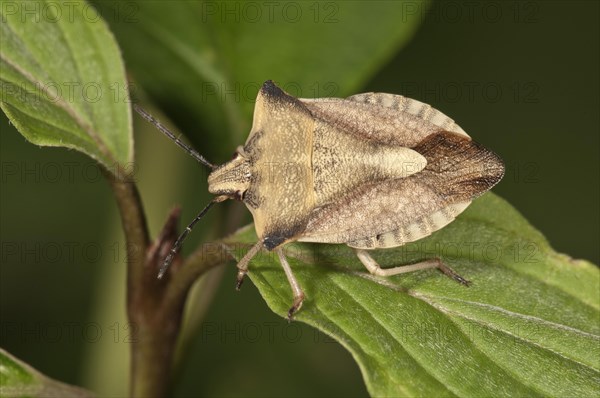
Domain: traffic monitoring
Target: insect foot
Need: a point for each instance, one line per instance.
(446, 270)
(240, 279)
(297, 304)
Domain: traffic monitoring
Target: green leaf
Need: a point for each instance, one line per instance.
(528, 326)
(209, 59)
(62, 80)
(17, 379)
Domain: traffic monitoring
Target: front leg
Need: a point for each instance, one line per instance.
(242, 265)
(296, 289)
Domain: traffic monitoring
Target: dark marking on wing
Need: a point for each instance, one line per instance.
(463, 168)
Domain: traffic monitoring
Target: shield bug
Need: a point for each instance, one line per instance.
(371, 171)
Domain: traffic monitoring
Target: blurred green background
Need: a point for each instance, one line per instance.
(520, 77)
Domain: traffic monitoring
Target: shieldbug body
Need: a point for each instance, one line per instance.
(371, 171)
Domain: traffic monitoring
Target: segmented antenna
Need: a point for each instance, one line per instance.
(184, 234)
(169, 134)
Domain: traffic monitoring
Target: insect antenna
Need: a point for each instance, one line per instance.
(192, 152)
(165, 265)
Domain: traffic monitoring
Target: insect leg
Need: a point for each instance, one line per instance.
(376, 269)
(296, 289)
(243, 264)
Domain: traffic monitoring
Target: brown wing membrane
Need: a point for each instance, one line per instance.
(463, 168)
(458, 170)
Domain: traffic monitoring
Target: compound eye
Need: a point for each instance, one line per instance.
(235, 155)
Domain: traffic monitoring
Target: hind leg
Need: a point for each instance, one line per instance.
(375, 269)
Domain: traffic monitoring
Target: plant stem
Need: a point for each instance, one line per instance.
(137, 242)
(155, 307)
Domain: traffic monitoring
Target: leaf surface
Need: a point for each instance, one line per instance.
(528, 326)
(17, 379)
(63, 81)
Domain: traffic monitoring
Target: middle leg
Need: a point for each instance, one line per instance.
(296, 289)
